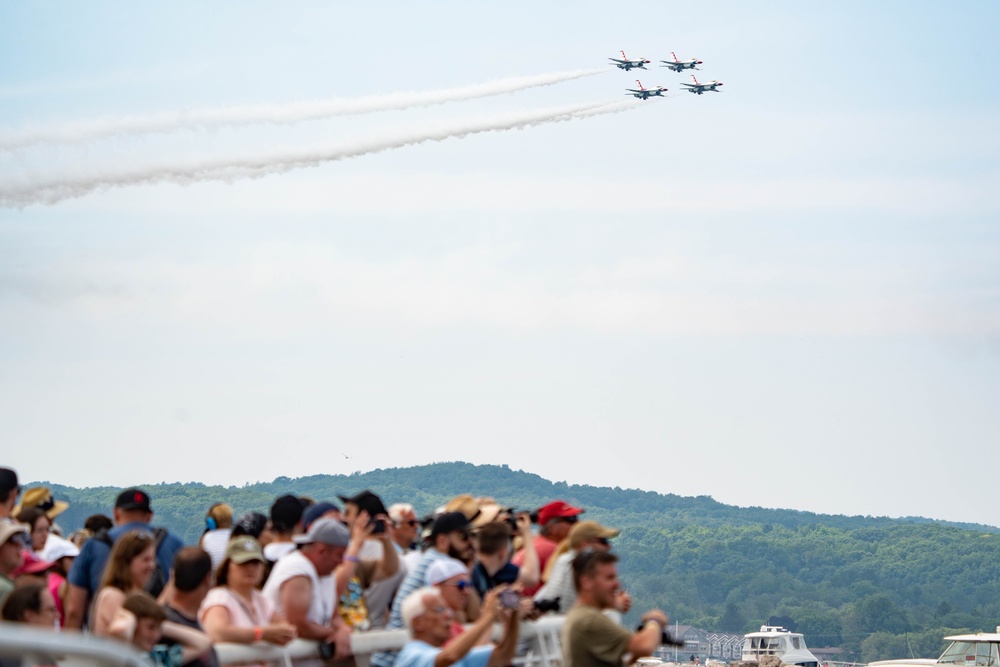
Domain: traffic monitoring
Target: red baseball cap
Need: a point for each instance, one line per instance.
(557, 509)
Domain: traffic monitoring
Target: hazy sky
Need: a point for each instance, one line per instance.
(786, 294)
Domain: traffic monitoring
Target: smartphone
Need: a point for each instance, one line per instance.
(378, 526)
(509, 599)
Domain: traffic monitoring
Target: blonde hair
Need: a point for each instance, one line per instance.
(222, 514)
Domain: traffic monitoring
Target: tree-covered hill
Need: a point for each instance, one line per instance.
(863, 583)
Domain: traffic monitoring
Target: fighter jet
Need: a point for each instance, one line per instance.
(646, 93)
(700, 88)
(627, 64)
(680, 65)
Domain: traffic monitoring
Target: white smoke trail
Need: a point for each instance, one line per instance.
(273, 114)
(229, 168)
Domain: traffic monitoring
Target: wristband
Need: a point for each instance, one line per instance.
(352, 559)
(258, 633)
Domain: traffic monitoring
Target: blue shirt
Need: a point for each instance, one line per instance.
(88, 568)
(482, 581)
(421, 654)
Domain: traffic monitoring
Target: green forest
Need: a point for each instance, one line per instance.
(877, 587)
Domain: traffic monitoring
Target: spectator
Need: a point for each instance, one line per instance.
(132, 513)
(33, 605)
(302, 591)
(14, 538)
(584, 535)
(61, 553)
(451, 579)
(38, 523)
(41, 498)
(131, 562)
(142, 622)
(95, 523)
(428, 619)
(406, 527)
(33, 570)
(367, 579)
(235, 611)
(191, 581)
(591, 639)
(493, 566)
(250, 523)
(450, 536)
(555, 520)
(9, 491)
(320, 510)
(218, 526)
(286, 522)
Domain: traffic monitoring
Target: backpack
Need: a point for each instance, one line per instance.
(158, 580)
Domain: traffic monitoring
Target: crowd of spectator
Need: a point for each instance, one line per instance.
(308, 569)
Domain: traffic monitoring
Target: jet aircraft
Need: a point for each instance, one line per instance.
(646, 93)
(626, 63)
(680, 65)
(700, 88)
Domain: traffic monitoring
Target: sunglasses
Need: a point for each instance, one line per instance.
(568, 519)
(411, 523)
(461, 584)
(603, 541)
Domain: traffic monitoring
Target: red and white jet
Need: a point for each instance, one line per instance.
(699, 88)
(627, 63)
(680, 65)
(646, 93)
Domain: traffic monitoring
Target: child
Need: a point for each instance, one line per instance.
(142, 622)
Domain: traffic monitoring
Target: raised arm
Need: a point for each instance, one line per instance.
(529, 575)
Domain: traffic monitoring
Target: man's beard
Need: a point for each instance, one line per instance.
(458, 555)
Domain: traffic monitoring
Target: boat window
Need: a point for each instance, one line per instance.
(795, 642)
(980, 654)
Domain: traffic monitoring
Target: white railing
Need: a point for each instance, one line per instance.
(542, 637)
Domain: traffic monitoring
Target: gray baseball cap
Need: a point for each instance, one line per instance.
(325, 531)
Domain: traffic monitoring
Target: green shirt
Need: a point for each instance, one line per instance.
(591, 639)
(6, 586)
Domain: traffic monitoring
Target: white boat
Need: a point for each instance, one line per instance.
(975, 650)
(789, 647)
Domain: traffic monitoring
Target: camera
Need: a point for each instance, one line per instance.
(510, 599)
(666, 639)
(544, 606)
(378, 526)
(327, 650)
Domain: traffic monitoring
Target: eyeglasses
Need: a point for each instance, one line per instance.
(411, 523)
(461, 584)
(568, 519)
(603, 541)
(440, 609)
(465, 535)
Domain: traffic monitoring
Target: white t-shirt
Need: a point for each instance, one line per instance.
(323, 603)
(276, 550)
(215, 542)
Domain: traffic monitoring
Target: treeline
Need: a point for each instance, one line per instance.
(877, 587)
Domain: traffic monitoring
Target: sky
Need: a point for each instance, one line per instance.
(786, 294)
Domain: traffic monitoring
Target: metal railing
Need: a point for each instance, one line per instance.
(541, 638)
(39, 646)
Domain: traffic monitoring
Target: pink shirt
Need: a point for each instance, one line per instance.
(241, 615)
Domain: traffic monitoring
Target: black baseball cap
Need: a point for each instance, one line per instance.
(133, 499)
(367, 501)
(449, 522)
